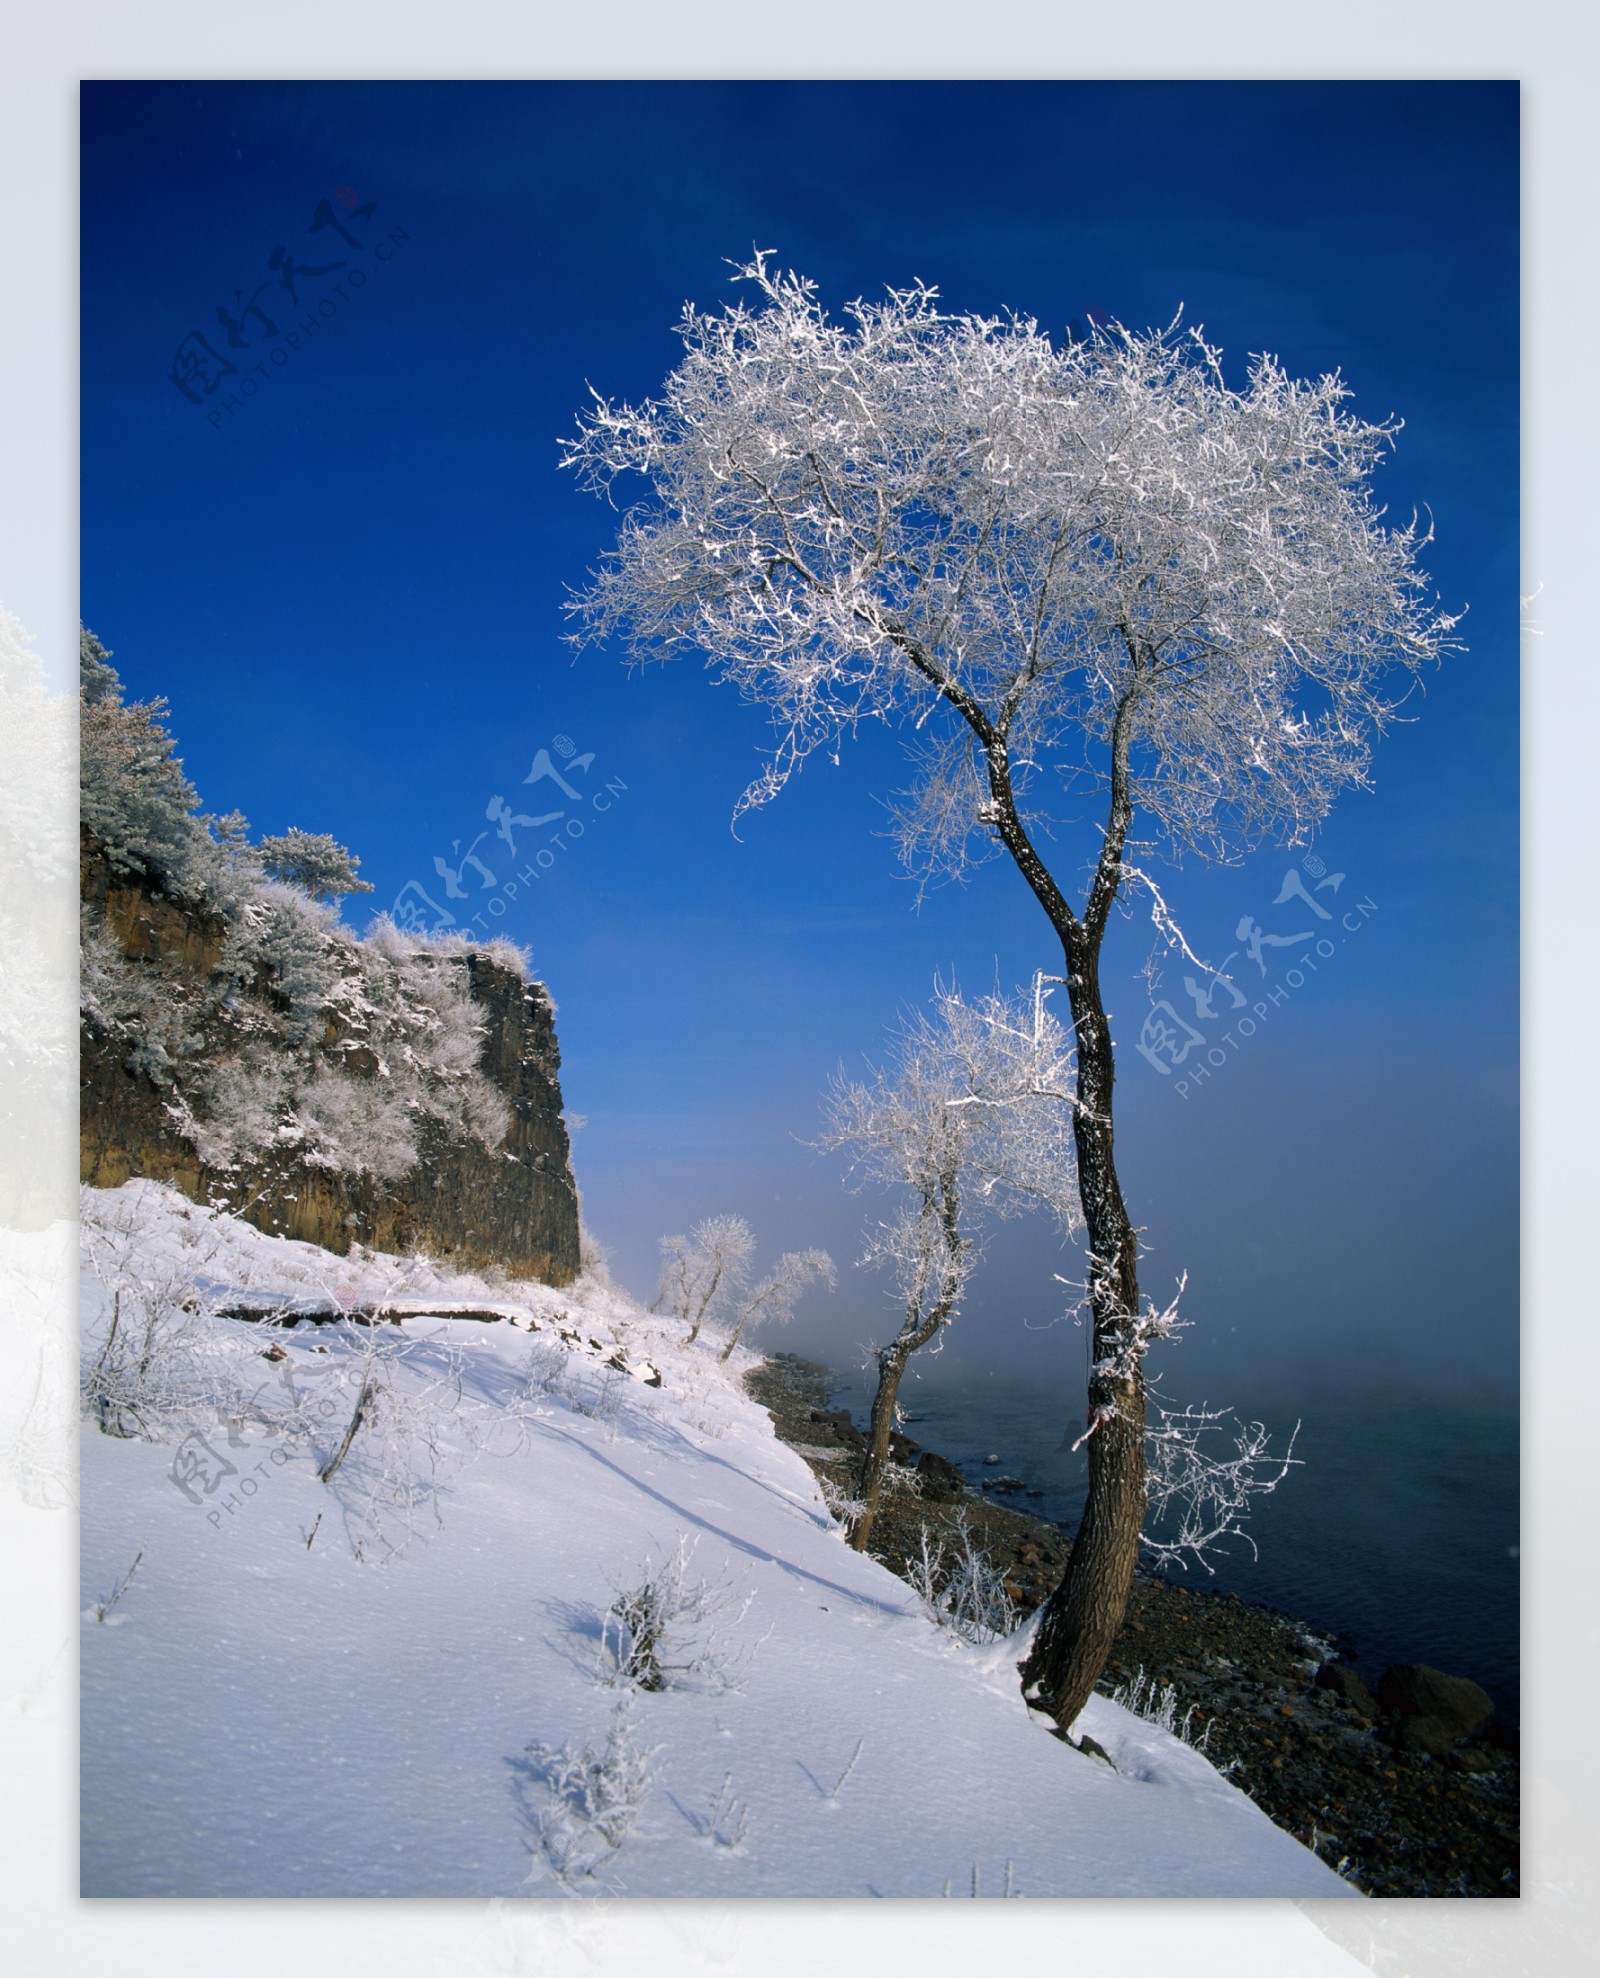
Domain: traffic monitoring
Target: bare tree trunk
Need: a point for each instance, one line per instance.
(891, 1366)
(941, 1212)
(705, 1303)
(363, 1402)
(1081, 1618)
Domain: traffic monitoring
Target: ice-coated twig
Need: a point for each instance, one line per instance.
(364, 1401)
(727, 1820)
(1008, 1887)
(1157, 1703)
(1209, 1495)
(597, 1794)
(960, 1587)
(103, 1607)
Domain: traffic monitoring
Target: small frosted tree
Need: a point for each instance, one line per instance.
(133, 793)
(771, 1302)
(963, 1123)
(702, 1274)
(313, 861)
(1104, 584)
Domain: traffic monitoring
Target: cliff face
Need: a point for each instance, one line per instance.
(513, 1204)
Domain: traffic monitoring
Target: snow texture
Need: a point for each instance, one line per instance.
(406, 1680)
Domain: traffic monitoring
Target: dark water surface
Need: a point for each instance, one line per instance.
(1398, 1535)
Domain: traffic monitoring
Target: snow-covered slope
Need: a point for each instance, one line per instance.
(313, 1688)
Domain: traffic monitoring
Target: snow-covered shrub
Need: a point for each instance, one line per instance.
(143, 1373)
(726, 1821)
(407, 1002)
(671, 1632)
(284, 944)
(1157, 1703)
(593, 1259)
(596, 1795)
(842, 1504)
(847, 1506)
(601, 1398)
(382, 1418)
(546, 1366)
(505, 953)
(960, 1586)
(155, 1360)
(156, 1015)
(353, 1048)
(371, 1413)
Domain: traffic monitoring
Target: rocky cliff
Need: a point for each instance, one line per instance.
(482, 1199)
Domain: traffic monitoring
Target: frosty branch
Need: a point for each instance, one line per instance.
(964, 1122)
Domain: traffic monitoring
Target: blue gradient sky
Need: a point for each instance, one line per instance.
(351, 592)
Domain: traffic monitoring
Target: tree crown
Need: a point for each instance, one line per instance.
(1091, 553)
(314, 861)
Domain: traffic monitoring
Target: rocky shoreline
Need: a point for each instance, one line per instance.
(1412, 1792)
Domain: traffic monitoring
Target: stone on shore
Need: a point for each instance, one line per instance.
(1347, 1685)
(940, 1478)
(1435, 1712)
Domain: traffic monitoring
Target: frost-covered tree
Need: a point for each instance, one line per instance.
(315, 862)
(702, 1274)
(97, 677)
(1103, 583)
(963, 1122)
(133, 793)
(136, 800)
(772, 1300)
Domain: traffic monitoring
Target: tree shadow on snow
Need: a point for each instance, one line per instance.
(897, 1609)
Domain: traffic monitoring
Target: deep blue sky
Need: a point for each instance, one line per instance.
(351, 592)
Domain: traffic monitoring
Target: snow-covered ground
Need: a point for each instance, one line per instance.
(385, 1684)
